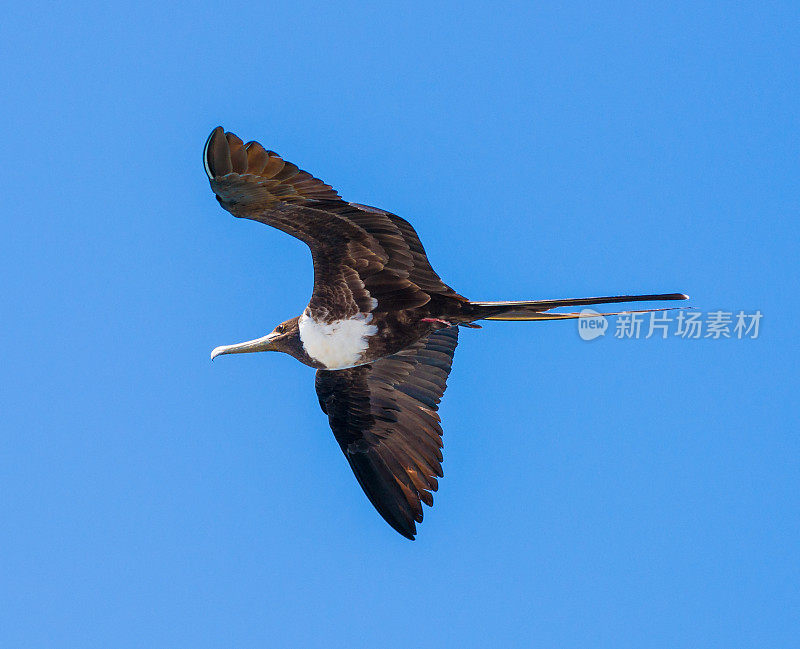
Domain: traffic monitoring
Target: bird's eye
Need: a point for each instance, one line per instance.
(280, 329)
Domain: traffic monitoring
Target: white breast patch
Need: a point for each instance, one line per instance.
(337, 345)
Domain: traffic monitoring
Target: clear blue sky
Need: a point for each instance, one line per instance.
(613, 493)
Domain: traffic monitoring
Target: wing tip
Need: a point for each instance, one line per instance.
(411, 536)
(405, 526)
(408, 531)
(225, 153)
(214, 152)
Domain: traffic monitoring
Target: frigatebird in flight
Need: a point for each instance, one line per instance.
(381, 326)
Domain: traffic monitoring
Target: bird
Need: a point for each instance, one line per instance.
(381, 327)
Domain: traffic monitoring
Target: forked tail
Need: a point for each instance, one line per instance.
(537, 309)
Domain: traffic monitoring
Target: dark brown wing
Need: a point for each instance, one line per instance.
(384, 417)
(365, 259)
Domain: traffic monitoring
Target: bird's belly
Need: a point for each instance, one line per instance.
(339, 344)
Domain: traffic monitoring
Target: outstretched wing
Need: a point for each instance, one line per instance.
(365, 259)
(384, 417)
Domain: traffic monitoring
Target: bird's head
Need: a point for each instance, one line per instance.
(283, 338)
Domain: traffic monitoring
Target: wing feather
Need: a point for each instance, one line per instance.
(384, 418)
(362, 255)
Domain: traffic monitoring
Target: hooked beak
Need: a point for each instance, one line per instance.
(263, 344)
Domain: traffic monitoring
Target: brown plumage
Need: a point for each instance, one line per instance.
(381, 326)
(384, 417)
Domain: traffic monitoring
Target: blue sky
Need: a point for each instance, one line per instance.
(612, 493)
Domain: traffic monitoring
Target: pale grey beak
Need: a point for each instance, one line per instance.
(263, 344)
